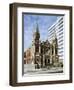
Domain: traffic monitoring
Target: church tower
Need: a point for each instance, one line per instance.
(36, 45)
(55, 50)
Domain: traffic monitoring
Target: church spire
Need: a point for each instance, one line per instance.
(37, 28)
(37, 31)
(36, 34)
(55, 34)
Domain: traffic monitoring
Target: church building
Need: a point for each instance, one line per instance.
(42, 54)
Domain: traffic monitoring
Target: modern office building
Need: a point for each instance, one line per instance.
(58, 29)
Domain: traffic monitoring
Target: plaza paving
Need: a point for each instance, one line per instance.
(30, 70)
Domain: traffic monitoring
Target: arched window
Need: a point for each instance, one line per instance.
(45, 62)
(48, 61)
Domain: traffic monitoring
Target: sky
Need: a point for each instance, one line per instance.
(30, 23)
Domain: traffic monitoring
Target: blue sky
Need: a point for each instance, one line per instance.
(30, 23)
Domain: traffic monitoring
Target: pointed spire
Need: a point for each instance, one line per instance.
(55, 36)
(37, 28)
(36, 33)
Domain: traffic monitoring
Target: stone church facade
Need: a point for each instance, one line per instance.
(42, 54)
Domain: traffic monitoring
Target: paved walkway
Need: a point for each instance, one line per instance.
(33, 71)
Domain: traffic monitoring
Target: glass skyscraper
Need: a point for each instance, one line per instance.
(58, 29)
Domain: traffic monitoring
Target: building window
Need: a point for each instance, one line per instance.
(52, 30)
(60, 26)
(61, 55)
(60, 45)
(61, 52)
(48, 61)
(61, 19)
(60, 33)
(60, 23)
(45, 62)
(61, 30)
(60, 37)
(60, 41)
